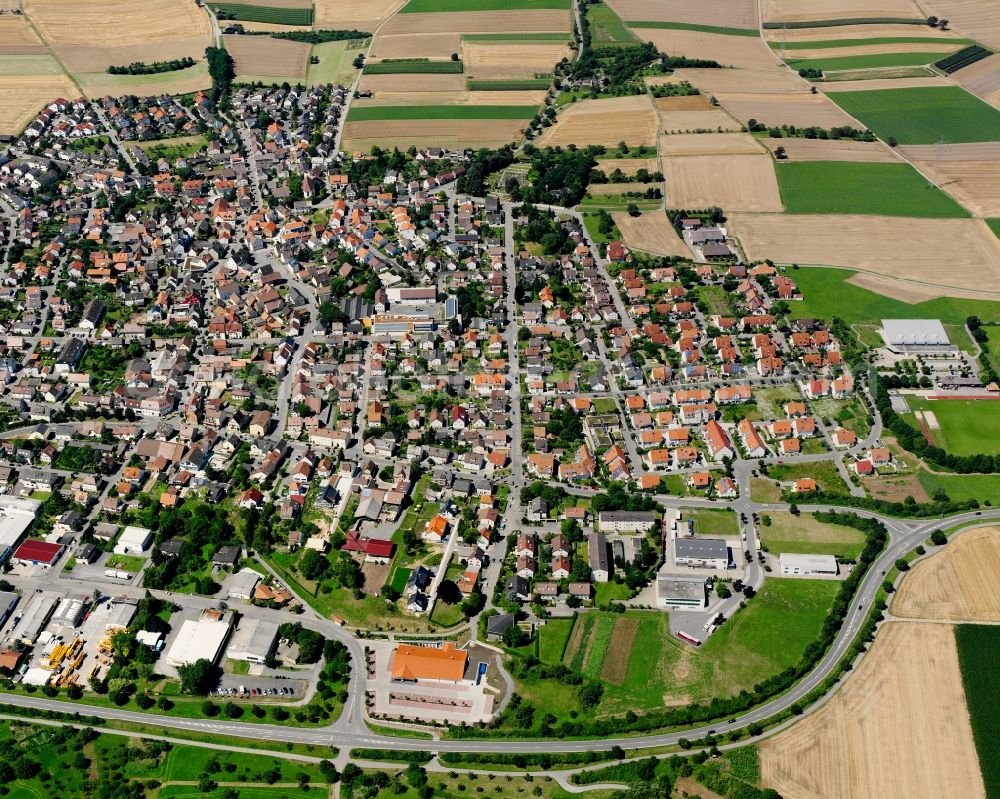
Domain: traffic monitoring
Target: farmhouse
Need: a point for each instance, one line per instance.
(701, 553)
(676, 591)
(627, 521)
(808, 565)
(428, 663)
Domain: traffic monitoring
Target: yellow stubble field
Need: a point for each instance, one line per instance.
(23, 96)
(809, 10)
(606, 121)
(718, 13)
(365, 15)
(733, 182)
(651, 232)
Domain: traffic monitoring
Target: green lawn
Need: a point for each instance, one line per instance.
(923, 115)
(383, 112)
(843, 187)
(687, 26)
(606, 592)
(968, 427)
(607, 28)
(126, 563)
(835, 63)
(335, 62)
(172, 149)
(977, 657)
(992, 345)
(828, 294)
(714, 522)
(434, 6)
(963, 487)
(833, 44)
(804, 534)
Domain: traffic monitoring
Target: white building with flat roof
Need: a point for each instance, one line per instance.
(200, 640)
(902, 333)
(808, 565)
(253, 640)
(701, 553)
(16, 514)
(678, 591)
(133, 540)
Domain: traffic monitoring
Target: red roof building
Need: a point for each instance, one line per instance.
(37, 553)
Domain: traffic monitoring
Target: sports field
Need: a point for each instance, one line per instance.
(438, 6)
(841, 187)
(962, 427)
(923, 115)
(805, 534)
(896, 729)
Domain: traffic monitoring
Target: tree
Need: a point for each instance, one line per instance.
(198, 678)
(938, 538)
(780, 153)
(314, 565)
(633, 210)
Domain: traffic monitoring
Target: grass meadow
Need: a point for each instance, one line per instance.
(804, 534)
(963, 487)
(977, 656)
(846, 187)
(922, 115)
(607, 28)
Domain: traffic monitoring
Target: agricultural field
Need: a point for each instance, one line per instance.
(895, 729)
(458, 6)
(95, 35)
(605, 121)
(799, 149)
(750, 81)
(408, 66)
(976, 184)
(335, 62)
(982, 79)
(922, 116)
(698, 121)
(417, 45)
(182, 81)
(709, 144)
(818, 10)
(797, 108)
(956, 583)
(962, 427)
(839, 187)
(979, 18)
(807, 535)
(894, 247)
(711, 13)
(513, 59)
(275, 12)
(23, 96)
(17, 37)
(744, 52)
(733, 182)
(442, 125)
(650, 232)
(364, 15)
(977, 648)
(262, 56)
(547, 20)
(843, 59)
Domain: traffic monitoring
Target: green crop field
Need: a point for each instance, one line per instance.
(977, 656)
(826, 294)
(962, 487)
(507, 85)
(436, 6)
(275, 16)
(687, 26)
(414, 67)
(869, 61)
(845, 187)
(833, 44)
(994, 226)
(968, 427)
(607, 28)
(804, 534)
(380, 112)
(923, 115)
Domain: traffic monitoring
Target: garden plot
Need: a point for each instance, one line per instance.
(898, 727)
(733, 182)
(833, 150)
(919, 250)
(799, 109)
(717, 13)
(605, 121)
(651, 232)
(267, 57)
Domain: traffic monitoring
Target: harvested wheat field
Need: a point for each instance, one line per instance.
(920, 250)
(272, 27)
(627, 166)
(733, 182)
(801, 110)
(88, 37)
(982, 79)
(809, 10)
(746, 52)
(975, 184)
(262, 55)
(364, 15)
(511, 59)
(520, 21)
(17, 37)
(377, 84)
(877, 31)
(651, 232)
(876, 84)
(873, 152)
(778, 80)
(609, 189)
(417, 45)
(971, 151)
(913, 293)
(458, 97)
(944, 46)
(691, 102)
(710, 144)
(606, 121)
(979, 19)
(23, 96)
(362, 136)
(716, 120)
(897, 729)
(957, 583)
(718, 13)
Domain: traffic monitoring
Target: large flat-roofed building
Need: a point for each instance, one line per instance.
(253, 640)
(429, 663)
(30, 619)
(8, 601)
(202, 639)
(133, 540)
(677, 591)
(623, 521)
(902, 334)
(701, 553)
(807, 565)
(37, 553)
(16, 514)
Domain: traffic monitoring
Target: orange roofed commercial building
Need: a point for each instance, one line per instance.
(414, 663)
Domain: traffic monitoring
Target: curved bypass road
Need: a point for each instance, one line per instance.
(350, 729)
